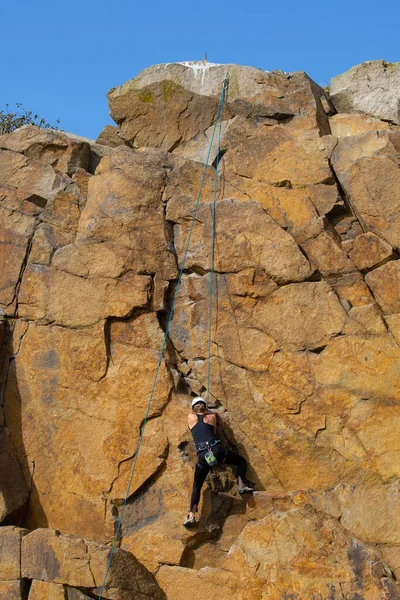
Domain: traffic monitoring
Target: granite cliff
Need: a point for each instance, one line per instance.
(305, 341)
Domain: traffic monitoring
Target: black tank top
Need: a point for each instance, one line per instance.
(202, 432)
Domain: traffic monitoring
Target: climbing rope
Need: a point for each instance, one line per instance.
(218, 120)
(213, 216)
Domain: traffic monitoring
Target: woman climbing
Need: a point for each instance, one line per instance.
(210, 452)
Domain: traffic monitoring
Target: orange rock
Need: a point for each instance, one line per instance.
(393, 322)
(304, 362)
(354, 362)
(15, 234)
(385, 284)
(13, 590)
(75, 386)
(352, 288)
(369, 317)
(43, 590)
(109, 137)
(247, 238)
(368, 250)
(10, 552)
(77, 301)
(327, 256)
(276, 155)
(61, 559)
(366, 166)
(301, 315)
(179, 583)
(62, 151)
(31, 176)
(343, 125)
(127, 193)
(180, 100)
(292, 552)
(13, 489)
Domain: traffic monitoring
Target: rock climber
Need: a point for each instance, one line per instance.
(210, 452)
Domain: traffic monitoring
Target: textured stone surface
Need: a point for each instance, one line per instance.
(13, 489)
(327, 255)
(385, 285)
(368, 251)
(247, 238)
(305, 358)
(43, 590)
(51, 557)
(33, 177)
(178, 582)
(290, 315)
(367, 168)
(282, 551)
(13, 590)
(109, 136)
(10, 552)
(55, 148)
(372, 88)
(87, 465)
(180, 100)
(344, 125)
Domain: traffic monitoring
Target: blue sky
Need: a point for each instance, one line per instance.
(60, 58)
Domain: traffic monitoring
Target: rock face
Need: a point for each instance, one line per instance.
(58, 564)
(173, 104)
(372, 88)
(305, 356)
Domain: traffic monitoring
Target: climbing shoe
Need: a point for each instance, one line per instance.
(189, 521)
(246, 490)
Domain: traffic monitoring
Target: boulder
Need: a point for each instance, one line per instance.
(292, 155)
(38, 180)
(367, 168)
(58, 149)
(369, 251)
(371, 88)
(76, 301)
(247, 238)
(385, 284)
(180, 100)
(344, 125)
(109, 136)
(327, 255)
(49, 556)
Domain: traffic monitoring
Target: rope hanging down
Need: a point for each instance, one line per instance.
(218, 120)
(213, 214)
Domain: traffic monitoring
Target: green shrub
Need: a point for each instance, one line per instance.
(9, 121)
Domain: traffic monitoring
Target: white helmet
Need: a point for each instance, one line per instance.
(197, 400)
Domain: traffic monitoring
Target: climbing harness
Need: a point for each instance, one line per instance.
(207, 445)
(218, 120)
(210, 457)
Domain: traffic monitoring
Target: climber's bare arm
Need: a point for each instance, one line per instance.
(191, 420)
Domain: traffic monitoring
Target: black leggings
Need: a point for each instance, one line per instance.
(223, 456)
